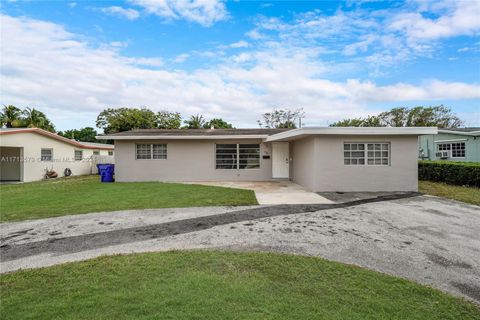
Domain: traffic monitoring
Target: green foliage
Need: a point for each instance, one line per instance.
(169, 120)
(281, 118)
(13, 117)
(220, 285)
(436, 116)
(370, 121)
(86, 134)
(459, 193)
(456, 173)
(218, 123)
(195, 122)
(9, 116)
(124, 119)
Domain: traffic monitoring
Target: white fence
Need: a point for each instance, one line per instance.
(100, 159)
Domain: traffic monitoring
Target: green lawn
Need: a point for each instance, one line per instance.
(86, 194)
(464, 194)
(220, 285)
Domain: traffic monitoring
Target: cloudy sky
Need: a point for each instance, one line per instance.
(238, 59)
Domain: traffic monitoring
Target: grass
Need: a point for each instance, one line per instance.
(464, 194)
(220, 285)
(86, 194)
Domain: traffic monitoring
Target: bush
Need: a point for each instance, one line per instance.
(459, 173)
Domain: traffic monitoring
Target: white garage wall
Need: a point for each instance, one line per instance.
(63, 155)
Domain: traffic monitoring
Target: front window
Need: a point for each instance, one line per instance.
(151, 151)
(457, 150)
(237, 156)
(370, 154)
(46, 155)
(96, 153)
(110, 153)
(78, 155)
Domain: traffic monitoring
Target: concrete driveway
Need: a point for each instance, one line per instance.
(426, 239)
(274, 192)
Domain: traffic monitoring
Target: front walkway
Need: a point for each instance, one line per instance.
(274, 192)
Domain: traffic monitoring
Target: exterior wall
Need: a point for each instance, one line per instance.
(302, 163)
(429, 147)
(330, 174)
(187, 160)
(63, 155)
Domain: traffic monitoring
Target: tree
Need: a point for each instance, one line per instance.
(436, 116)
(86, 134)
(217, 123)
(168, 120)
(195, 122)
(123, 119)
(369, 121)
(10, 116)
(32, 118)
(280, 118)
(396, 117)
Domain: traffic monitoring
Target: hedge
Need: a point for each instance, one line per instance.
(459, 173)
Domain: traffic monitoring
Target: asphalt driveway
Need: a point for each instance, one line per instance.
(429, 240)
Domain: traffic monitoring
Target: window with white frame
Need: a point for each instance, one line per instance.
(457, 149)
(378, 154)
(237, 156)
(370, 154)
(78, 155)
(354, 153)
(110, 153)
(151, 151)
(46, 155)
(96, 153)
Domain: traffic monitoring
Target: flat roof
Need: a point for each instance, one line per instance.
(351, 131)
(137, 134)
(79, 144)
(469, 131)
(267, 134)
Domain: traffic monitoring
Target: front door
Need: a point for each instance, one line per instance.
(280, 160)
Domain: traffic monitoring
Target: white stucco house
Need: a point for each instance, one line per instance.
(319, 159)
(25, 153)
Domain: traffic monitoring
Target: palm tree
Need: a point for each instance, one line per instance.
(37, 119)
(10, 116)
(195, 122)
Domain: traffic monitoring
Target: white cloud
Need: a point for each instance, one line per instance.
(239, 44)
(455, 18)
(68, 76)
(130, 14)
(181, 58)
(254, 34)
(72, 4)
(203, 12)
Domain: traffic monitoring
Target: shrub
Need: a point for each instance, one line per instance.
(459, 173)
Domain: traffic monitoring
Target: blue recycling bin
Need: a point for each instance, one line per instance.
(106, 171)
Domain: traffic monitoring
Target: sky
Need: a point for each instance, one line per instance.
(239, 59)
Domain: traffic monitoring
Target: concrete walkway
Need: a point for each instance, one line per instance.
(426, 239)
(274, 192)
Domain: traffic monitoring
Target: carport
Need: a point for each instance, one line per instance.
(11, 167)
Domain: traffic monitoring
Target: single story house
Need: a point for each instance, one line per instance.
(320, 159)
(455, 144)
(25, 154)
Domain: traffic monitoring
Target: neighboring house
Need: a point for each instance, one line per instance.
(25, 153)
(320, 159)
(460, 144)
